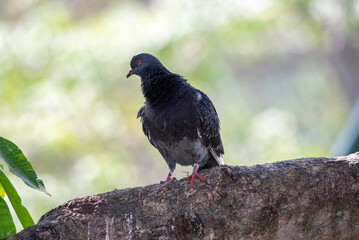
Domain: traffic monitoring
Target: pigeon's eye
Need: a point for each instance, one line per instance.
(138, 62)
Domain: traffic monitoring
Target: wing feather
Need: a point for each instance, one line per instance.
(142, 114)
(208, 126)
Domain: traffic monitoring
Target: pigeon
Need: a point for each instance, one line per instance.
(179, 120)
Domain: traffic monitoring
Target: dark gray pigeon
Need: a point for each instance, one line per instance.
(178, 119)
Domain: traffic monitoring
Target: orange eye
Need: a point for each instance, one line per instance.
(138, 62)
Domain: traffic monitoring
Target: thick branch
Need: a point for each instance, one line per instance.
(313, 198)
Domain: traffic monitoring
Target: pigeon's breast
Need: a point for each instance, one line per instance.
(185, 152)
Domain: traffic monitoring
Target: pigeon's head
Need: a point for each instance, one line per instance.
(145, 63)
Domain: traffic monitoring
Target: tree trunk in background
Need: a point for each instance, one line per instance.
(345, 60)
(344, 56)
(312, 198)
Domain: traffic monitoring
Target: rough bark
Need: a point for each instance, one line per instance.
(312, 198)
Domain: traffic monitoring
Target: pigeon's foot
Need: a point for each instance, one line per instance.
(167, 180)
(169, 177)
(193, 176)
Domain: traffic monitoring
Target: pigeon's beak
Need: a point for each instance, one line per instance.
(129, 73)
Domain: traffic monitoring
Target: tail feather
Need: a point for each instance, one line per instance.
(214, 160)
(217, 157)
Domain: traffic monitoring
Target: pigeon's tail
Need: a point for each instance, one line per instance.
(218, 156)
(214, 160)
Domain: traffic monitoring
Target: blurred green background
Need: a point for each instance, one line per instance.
(283, 75)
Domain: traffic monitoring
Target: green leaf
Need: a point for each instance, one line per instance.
(2, 191)
(15, 200)
(19, 165)
(7, 226)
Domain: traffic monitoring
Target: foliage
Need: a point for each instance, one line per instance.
(21, 167)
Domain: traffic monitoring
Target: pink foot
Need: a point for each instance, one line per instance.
(167, 180)
(169, 177)
(193, 176)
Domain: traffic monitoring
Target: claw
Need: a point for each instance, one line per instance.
(169, 177)
(167, 180)
(193, 176)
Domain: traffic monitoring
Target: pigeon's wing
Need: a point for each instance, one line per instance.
(142, 114)
(208, 126)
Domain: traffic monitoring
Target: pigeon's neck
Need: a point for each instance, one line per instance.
(159, 89)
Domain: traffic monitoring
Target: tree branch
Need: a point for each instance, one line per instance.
(313, 198)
